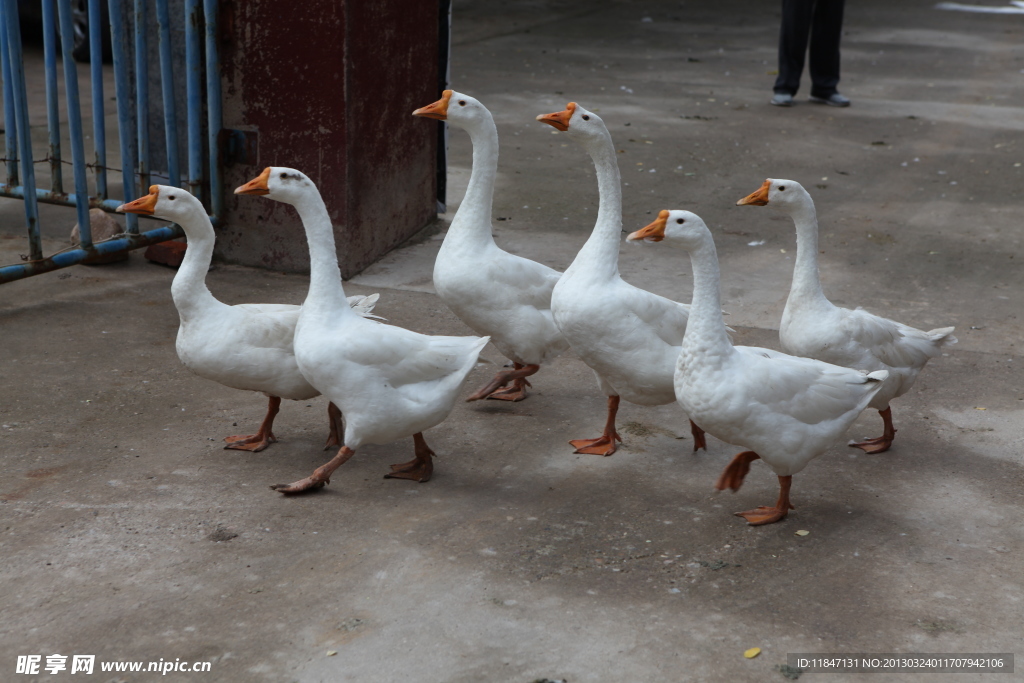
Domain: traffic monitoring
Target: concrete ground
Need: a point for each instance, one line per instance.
(127, 532)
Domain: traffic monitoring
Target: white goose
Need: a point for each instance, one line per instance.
(628, 336)
(815, 328)
(785, 410)
(248, 346)
(389, 382)
(494, 292)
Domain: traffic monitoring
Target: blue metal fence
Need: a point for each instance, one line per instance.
(133, 123)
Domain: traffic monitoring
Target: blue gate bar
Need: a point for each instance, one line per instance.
(194, 97)
(52, 104)
(75, 125)
(17, 69)
(163, 19)
(99, 131)
(122, 90)
(10, 124)
(213, 103)
(74, 256)
(135, 161)
(142, 92)
(48, 197)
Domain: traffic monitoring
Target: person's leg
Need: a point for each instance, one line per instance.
(793, 35)
(826, 33)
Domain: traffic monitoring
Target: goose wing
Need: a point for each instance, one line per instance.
(807, 390)
(531, 282)
(664, 317)
(894, 344)
(401, 357)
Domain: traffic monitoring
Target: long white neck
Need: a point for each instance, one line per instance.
(806, 286)
(705, 327)
(189, 291)
(472, 222)
(326, 295)
(600, 255)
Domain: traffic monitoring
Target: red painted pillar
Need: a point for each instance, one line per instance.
(328, 87)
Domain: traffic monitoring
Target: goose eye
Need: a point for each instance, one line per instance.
(782, 188)
(680, 220)
(586, 118)
(462, 103)
(171, 197)
(284, 176)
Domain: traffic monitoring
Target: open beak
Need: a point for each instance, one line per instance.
(143, 205)
(759, 198)
(655, 232)
(560, 119)
(257, 186)
(438, 110)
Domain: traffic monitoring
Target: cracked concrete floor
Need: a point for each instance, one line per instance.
(127, 532)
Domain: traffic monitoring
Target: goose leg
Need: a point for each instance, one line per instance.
(698, 437)
(320, 477)
(769, 515)
(880, 444)
(418, 469)
(261, 439)
(337, 427)
(517, 392)
(736, 471)
(604, 444)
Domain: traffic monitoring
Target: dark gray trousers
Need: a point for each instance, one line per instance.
(819, 22)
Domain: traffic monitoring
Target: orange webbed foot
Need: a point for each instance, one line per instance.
(736, 471)
(764, 515)
(514, 393)
(317, 480)
(416, 470)
(603, 445)
(879, 444)
(698, 437)
(249, 442)
(517, 392)
(321, 475)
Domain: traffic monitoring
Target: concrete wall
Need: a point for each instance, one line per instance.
(328, 88)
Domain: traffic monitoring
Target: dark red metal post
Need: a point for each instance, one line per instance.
(328, 87)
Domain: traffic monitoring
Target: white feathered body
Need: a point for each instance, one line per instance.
(813, 327)
(786, 409)
(389, 382)
(629, 337)
(863, 341)
(248, 346)
(492, 291)
(501, 295)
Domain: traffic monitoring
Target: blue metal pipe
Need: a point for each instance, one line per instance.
(163, 19)
(194, 96)
(48, 197)
(75, 125)
(52, 104)
(142, 92)
(99, 131)
(13, 29)
(10, 122)
(213, 106)
(74, 256)
(122, 90)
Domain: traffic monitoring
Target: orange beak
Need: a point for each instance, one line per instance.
(144, 205)
(257, 186)
(759, 198)
(560, 119)
(438, 110)
(655, 232)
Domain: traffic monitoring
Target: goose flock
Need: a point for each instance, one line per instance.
(386, 383)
